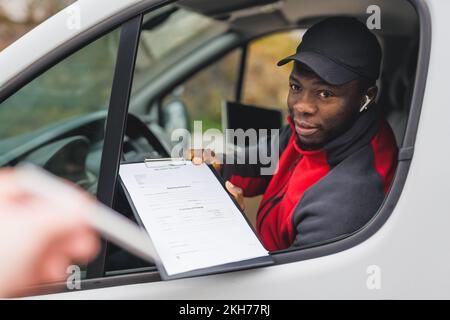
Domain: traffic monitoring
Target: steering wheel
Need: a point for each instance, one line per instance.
(143, 141)
(66, 158)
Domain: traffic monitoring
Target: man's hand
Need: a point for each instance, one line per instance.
(237, 193)
(37, 240)
(209, 157)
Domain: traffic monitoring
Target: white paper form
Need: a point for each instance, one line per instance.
(190, 218)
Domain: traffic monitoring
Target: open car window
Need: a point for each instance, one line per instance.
(169, 100)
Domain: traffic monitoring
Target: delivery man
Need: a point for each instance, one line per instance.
(337, 154)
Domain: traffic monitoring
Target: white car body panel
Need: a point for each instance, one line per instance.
(411, 248)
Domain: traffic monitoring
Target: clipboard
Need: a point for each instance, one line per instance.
(222, 268)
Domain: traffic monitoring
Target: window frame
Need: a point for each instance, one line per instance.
(406, 149)
(115, 127)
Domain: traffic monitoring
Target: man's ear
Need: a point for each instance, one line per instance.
(372, 93)
(368, 98)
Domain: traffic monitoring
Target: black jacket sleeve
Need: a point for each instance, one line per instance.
(341, 203)
(254, 176)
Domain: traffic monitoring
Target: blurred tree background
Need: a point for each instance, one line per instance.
(17, 17)
(266, 84)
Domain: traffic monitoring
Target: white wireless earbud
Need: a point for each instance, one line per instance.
(364, 107)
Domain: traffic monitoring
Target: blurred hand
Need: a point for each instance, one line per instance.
(208, 156)
(37, 240)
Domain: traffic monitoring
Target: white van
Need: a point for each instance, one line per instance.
(106, 81)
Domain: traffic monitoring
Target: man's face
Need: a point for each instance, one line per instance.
(320, 111)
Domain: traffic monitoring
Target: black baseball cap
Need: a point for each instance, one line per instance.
(339, 50)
